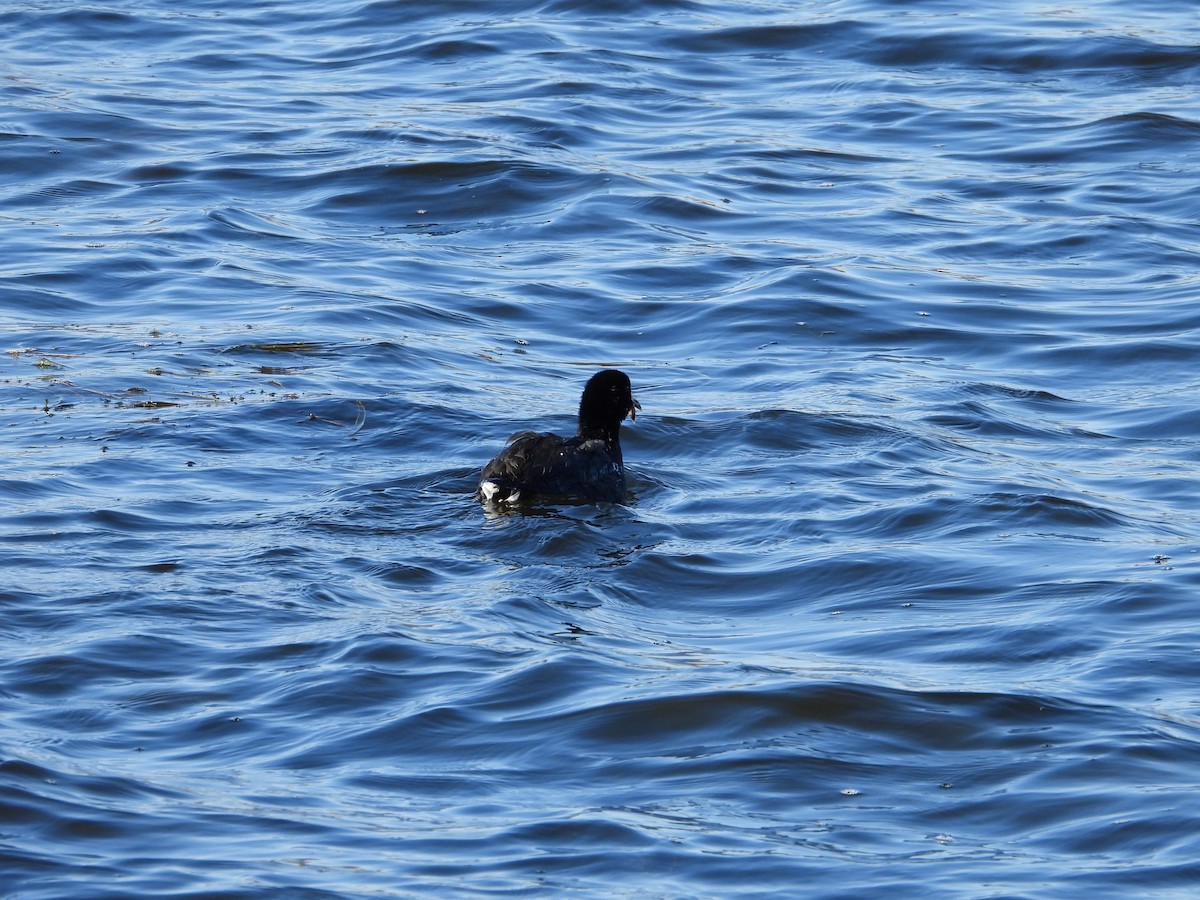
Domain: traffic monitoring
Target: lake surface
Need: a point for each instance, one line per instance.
(905, 598)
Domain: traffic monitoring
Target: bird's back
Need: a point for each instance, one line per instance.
(534, 463)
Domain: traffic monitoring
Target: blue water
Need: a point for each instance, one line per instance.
(903, 601)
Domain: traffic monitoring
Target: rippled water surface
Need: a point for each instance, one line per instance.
(903, 600)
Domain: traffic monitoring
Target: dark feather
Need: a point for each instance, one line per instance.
(588, 466)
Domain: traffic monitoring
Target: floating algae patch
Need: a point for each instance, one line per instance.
(278, 347)
(124, 368)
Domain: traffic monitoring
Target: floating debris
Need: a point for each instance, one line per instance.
(278, 347)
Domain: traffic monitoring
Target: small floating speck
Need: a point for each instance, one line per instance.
(522, 343)
(923, 314)
(1160, 558)
(943, 838)
(849, 792)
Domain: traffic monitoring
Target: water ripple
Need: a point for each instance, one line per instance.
(906, 573)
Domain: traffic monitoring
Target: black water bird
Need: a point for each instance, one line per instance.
(587, 466)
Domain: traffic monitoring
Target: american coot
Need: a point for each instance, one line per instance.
(588, 465)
